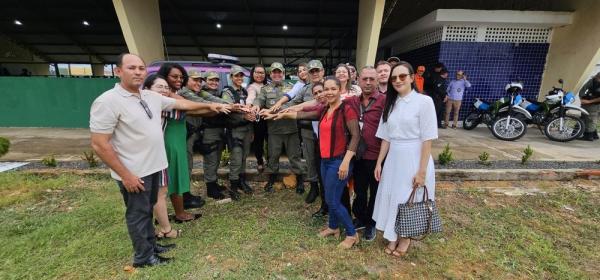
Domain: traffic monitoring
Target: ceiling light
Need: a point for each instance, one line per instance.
(285, 27)
(85, 23)
(219, 25)
(18, 22)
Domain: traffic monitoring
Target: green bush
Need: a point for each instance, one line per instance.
(445, 157)
(527, 153)
(49, 161)
(225, 157)
(91, 159)
(484, 158)
(4, 145)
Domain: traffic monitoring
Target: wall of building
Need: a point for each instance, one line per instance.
(491, 58)
(49, 102)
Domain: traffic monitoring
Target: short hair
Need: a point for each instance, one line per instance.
(122, 56)
(382, 62)
(367, 67)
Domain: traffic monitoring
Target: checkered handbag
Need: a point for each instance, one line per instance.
(416, 219)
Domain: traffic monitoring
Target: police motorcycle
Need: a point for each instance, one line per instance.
(484, 112)
(558, 117)
(510, 123)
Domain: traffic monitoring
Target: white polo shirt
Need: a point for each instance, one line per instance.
(137, 138)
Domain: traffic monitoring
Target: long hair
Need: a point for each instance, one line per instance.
(166, 68)
(392, 94)
(349, 82)
(264, 82)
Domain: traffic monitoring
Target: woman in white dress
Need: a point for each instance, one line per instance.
(407, 127)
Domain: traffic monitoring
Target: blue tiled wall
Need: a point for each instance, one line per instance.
(427, 55)
(489, 66)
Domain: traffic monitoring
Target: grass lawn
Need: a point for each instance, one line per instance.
(67, 226)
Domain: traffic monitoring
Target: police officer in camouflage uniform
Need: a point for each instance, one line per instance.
(195, 92)
(590, 101)
(309, 144)
(210, 131)
(237, 130)
(282, 133)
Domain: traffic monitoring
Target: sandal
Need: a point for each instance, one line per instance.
(328, 232)
(163, 234)
(194, 217)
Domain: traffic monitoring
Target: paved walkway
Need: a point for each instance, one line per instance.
(69, 144)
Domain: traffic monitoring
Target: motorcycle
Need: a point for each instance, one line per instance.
(484, 112)
(557, 117)
(510, 122)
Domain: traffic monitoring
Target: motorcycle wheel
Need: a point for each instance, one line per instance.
(471, 121)
(516, 128)
(571, 128)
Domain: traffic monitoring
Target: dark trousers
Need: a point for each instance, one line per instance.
(365, 187)
(440, 106)
(138, 217)
(260, 134)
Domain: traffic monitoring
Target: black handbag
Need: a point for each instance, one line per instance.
(417, 219)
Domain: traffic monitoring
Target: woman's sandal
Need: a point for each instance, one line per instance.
(163, 234)
(194, 217)
(349, 241)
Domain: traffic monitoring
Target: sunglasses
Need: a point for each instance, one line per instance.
(402, 77)
(146, 108)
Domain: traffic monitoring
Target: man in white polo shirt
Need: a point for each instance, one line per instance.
(126, 134)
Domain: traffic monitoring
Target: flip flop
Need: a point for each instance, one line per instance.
(195, 217)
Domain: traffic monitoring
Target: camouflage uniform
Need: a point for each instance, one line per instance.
(282, 133)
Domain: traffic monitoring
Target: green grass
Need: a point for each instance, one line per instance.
(72, 227)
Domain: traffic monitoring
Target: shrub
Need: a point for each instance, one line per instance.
(49, 161)
(484, 158)
(527, 153)
(4, 145)
(225, 157)
(90, 158)
(445, 156)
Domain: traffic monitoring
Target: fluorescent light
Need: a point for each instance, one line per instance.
(86, 23)
(285, 27)
(17, 22)
(219, 25)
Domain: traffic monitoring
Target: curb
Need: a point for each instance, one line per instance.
(449, 175)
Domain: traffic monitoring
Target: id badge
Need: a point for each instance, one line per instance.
(360, 125)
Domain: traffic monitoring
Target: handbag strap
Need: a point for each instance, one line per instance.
(429, 208)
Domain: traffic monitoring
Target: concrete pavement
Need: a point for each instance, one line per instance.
(69, 144)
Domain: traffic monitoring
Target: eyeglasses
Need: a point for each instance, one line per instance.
(146, 108)
(176, 77)
(162, 87)
(402, 77)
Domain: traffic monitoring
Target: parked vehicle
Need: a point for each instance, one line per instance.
(510, 123)
(484, 112)
(558, 117)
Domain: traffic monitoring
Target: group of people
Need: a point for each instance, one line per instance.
(367, 132)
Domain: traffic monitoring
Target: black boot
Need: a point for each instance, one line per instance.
(245, 187)
(299, 184)
(323, 210)
(313, 193)
(234, 186)
(588, 136)
(192, 201)
(212, 190)
(270, 183)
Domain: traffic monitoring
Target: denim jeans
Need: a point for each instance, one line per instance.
(334, 187)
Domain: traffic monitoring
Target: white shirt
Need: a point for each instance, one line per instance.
(136, 138)
(412, 118)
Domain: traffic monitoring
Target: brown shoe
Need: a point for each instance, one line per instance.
(349, 241)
